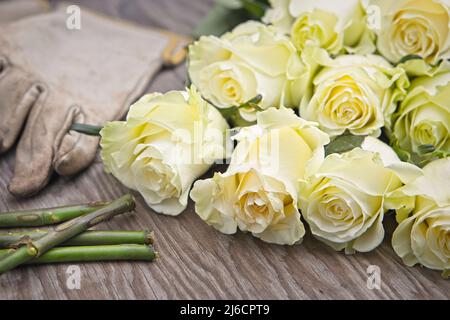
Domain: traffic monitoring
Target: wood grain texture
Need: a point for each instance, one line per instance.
(197, 261)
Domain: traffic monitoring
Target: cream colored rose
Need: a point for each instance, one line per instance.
(355, 93)
(258, 192)
(414, 27)
(423, 119)
(332, 25)
(167, 141)
(251, 60)
(424, 236)
(344, 200)
(317, 28)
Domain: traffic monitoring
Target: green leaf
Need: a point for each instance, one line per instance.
(404, 155)
(409, 57)
(218, 21)
(344, 143)
(424, 155)
(231, 4)
(233, 115)
(255, 8)
(426, 148)
(227, 14)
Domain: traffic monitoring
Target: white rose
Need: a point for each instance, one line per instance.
(414, 27)
(424, 236)
(344, 201)
(258, 192)
(332, 25)
(355, 93)
(423, 117)
(251, 60)
(167, 141)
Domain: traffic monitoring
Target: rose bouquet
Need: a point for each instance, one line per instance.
(331, 115)
(339, 114)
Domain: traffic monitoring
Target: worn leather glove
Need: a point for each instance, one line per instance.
(52, 77)
(11, 10)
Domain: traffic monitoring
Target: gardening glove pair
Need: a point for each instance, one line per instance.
(11, 10)
(52, 77)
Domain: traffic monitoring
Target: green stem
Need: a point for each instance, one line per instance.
(87, 238)
(87, 129)
(45, 217)
(93, 253)
(64, 232)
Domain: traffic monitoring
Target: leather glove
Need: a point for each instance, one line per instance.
(11, 10)
(52, 77)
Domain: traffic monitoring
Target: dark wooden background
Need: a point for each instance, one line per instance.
(197, 261)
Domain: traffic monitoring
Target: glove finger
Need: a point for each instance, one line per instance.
(18, 94)
(37, 147)
(76, 152)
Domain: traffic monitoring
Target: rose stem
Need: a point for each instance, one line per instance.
(87, 129)
(93, 253)
(45, 217)
(64, 232)
(87, 238)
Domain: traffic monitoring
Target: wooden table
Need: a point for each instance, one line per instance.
(197, 261)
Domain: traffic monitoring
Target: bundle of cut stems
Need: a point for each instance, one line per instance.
(72, 241)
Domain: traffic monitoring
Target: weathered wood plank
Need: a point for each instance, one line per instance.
(198, 262)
